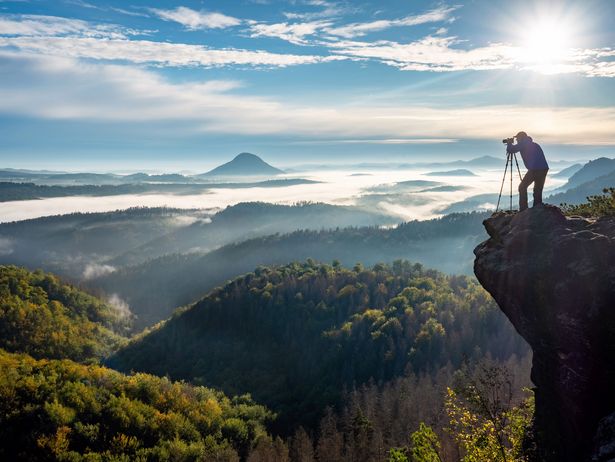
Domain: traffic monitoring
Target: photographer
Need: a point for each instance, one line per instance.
(536, 164)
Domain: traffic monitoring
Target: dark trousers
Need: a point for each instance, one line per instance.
(537, 177)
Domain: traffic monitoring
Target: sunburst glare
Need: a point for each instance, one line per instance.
(547, 45)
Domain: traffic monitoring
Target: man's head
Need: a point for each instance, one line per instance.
(521, 136)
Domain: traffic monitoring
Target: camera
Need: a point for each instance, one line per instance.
(508, 140)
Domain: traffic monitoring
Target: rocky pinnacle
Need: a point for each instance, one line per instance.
(554, 278)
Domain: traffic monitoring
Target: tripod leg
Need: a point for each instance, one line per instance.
(502, 186)
(511, 181)
(518, 169)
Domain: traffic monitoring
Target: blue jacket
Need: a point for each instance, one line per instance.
(531, 153)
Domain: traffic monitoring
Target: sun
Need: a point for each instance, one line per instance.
(547, 40)
(546, 44)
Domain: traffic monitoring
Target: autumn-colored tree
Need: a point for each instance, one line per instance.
(61, 410)
(484, 420)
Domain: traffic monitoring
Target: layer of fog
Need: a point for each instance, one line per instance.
(94, 270)
(374, 190)
(120, 306)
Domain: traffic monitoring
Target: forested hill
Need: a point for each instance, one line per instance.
(53, 408)
(47, 319)
(82, 244)
(295, 336)
(155, 288)
(64, 411)
(249, 220)
(29, 191)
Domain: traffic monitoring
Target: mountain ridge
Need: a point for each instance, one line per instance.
(590, 171)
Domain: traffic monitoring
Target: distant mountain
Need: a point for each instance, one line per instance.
(25, 170)
(45, 177)
(564, 195)
(244, 164)
(446, 188)
(590, 171)
(458, 172)
(486, 162)
(90, 178)
(168, 177)
(403, 186)
(19, 175)
(580, 193)
(13, 191)
(478, 162)
(136, 177)
(568, 171)
(483, 161)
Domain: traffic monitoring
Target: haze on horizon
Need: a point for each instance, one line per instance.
(109, 85)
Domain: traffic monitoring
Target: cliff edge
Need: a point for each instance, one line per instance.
(554, 278)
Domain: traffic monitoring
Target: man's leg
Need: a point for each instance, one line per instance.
(525, 182)
(539, 182)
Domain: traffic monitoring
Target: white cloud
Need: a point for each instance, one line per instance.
(194, 20)
(602, 69)
(41, 26)
(293, 32)
(440, 54)
(298, 31)
(158, 53)
(431, 54)
(325, 9)
(82, 4)
(49, 35)
(55, 88)
(359, 29)
(128, 12)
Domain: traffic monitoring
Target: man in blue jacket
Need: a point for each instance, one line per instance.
(536, 164)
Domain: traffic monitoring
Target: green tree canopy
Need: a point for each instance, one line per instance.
(45, 318)
(61, 410)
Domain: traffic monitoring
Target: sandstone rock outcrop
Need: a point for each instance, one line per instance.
(554, 277)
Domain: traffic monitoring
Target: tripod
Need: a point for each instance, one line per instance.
(509, 161)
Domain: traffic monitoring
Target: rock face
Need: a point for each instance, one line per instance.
(554, 277)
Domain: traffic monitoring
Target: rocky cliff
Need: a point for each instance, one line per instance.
(554, 277)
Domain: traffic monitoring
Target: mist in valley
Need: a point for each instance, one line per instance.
(152, 253)
(407, 194)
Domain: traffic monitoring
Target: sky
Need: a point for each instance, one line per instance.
(158, 85)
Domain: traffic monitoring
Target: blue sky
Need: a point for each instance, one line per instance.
(184, 85)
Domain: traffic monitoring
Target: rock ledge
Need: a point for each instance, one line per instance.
(554, 277)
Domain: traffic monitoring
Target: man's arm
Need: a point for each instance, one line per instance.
(512, 148)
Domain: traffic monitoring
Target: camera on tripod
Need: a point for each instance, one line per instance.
(508, 140)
